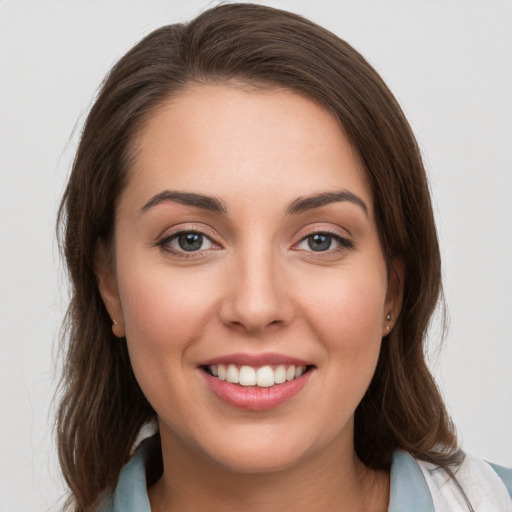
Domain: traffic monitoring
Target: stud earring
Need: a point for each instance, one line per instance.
(117, 329)
(388, 319)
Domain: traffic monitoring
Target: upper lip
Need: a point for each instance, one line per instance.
(255, 360)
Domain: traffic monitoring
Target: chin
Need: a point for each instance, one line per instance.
(260, 461)
(259, 449)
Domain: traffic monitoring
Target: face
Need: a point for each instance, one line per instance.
(249, 278)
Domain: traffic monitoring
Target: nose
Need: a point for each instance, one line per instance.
(257, 296)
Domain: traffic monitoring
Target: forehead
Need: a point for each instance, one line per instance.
(230, 141)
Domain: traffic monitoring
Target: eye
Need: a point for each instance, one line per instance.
(322, 242)
(186, 241)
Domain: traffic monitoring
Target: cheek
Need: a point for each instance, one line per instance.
(347, 314)
(164, 309)
(165, 313)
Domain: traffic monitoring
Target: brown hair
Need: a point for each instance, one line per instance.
(102, 407)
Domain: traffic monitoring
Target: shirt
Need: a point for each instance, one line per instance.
(416, 486)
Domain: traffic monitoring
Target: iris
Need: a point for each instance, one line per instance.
(319, 242)
(190, 241)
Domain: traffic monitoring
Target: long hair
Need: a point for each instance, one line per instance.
(102, 408)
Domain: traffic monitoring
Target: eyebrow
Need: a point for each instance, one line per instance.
(211, 204)
(303, 204)
(215, 205)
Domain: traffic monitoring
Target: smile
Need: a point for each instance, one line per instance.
(256, 382)
(263, 377)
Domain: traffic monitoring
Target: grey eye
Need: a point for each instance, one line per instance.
(190, 241)
(323, 242)
(186, 241)
(319, 242)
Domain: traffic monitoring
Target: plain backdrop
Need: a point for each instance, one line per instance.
(449, 62)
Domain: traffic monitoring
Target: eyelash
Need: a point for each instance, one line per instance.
(345, 243)
(164, 243)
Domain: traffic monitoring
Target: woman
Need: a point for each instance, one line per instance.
(250, 238)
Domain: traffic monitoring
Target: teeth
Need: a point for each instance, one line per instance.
(232, 374)
(280, 375)
(264, 377)
(247, 376)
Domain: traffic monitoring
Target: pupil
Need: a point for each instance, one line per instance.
(319, 242)
(190, 241)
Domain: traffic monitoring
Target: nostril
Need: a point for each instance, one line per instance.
(256, 302)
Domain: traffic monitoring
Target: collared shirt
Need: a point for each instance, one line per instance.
(416, 486)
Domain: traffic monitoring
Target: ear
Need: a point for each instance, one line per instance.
(394, 295)
(107, 285)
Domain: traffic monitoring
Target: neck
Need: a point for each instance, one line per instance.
(335, 480)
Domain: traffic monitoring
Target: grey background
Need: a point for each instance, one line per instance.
(449, 64)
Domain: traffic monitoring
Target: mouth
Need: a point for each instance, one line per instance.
(266, 376)
(256, 382)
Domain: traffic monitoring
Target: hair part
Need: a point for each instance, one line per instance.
(102, 408)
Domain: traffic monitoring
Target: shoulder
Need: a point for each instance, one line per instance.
(487, 487)
(506, 476)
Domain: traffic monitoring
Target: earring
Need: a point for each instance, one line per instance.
(388, 319)
(117, 329)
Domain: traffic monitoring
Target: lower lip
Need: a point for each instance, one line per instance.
(255, 398)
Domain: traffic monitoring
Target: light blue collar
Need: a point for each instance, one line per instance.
(409, 489)
(131, 493)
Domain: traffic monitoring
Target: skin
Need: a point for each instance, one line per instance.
(254, 287)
